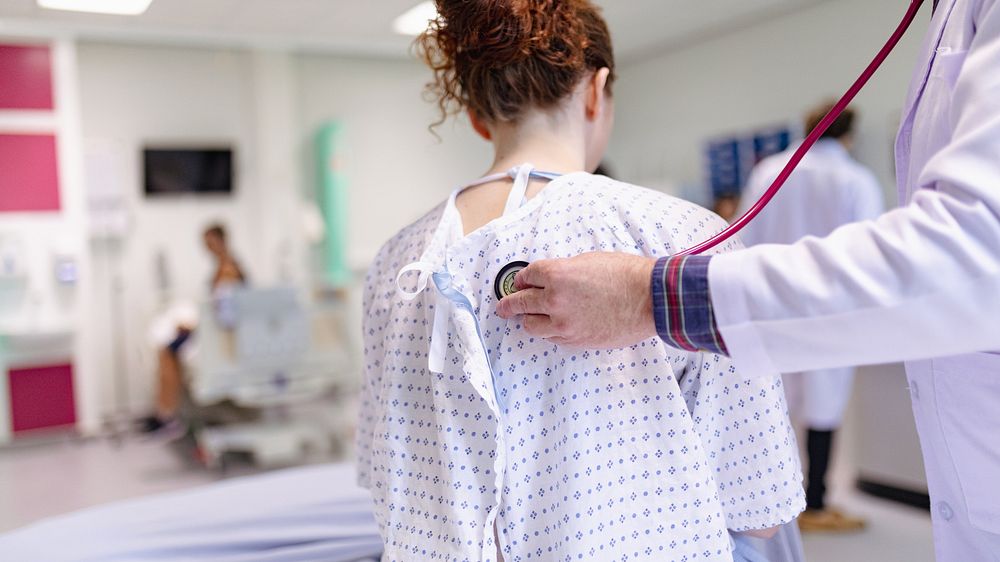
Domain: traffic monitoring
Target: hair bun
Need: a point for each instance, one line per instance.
(497, 57)
(486, 31)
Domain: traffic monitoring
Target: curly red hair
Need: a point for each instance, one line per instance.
(500, 57)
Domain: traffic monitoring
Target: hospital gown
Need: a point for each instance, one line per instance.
(641, 453)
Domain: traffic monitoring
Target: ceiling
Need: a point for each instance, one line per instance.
(639, 27)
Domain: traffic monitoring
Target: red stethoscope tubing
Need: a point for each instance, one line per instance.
(810, 140)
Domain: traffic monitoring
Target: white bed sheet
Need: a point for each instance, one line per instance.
(296, 515)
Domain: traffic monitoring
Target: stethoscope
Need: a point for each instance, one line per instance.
(811, 139)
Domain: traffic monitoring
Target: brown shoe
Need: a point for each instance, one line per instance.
(829, 520)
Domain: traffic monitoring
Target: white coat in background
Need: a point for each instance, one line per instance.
(828, 189)
(920, 284)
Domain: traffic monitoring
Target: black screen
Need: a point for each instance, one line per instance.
(169, 171)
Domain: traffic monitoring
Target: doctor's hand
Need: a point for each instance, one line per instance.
(597, 300)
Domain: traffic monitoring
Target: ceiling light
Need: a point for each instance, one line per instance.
(119, 7)
(414, 21)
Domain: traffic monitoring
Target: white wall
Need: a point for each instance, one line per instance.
(669, 105)
(136, 95)
(397, 170)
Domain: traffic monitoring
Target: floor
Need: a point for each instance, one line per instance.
(41, 480)
(47, 479)
(895, 533)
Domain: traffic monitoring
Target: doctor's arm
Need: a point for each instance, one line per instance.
(921, 281)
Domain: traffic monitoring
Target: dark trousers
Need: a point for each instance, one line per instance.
(818, 446)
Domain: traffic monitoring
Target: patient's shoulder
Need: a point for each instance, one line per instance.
(657, 222)
(405, 247)
(410, 242)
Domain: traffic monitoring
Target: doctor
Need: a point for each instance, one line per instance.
(921, 284)
(829, 189)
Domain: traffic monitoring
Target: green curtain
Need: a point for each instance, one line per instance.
(333, 203)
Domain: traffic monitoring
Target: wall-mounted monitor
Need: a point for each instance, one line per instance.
(187, 170)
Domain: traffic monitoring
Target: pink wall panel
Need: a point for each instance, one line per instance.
(29, 176)
(42, 397)
(25, 77)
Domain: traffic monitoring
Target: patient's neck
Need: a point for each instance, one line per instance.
(548, 140)
(544, 140)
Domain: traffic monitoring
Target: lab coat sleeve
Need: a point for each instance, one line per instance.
(922, 281)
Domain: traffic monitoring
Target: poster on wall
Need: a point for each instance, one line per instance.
(730, 159)
(727, 167)
(769, 142)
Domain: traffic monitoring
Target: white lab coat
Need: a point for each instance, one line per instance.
(921, 284)
(828, 189)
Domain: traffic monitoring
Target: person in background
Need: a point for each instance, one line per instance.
(725, 206)
(829, 189)
(228, 274)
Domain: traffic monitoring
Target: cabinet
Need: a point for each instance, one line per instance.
(37, 385)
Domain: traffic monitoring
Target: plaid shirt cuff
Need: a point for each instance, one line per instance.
(682, 306)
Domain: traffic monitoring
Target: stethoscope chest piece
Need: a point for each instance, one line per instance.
(503, 285)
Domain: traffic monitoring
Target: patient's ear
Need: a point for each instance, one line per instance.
(597, 93)
(479, 126)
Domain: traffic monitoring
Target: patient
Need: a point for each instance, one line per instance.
(479, 442)
(170, 384)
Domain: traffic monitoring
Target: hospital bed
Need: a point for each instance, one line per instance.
(306, 514)
(266, 352)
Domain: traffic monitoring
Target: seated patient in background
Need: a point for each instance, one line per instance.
(170, 384)
(481, 443)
